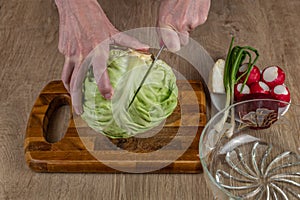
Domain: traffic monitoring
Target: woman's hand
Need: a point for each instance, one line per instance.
(177, 18)
(83, 26)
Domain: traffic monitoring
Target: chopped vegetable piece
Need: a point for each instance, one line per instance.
(260, 88)
(217, 75)
(254, 75)
(273, 76)
(282, 93)
(240, 91)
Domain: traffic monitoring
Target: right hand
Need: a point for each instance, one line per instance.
(83, 26)
(176, 18)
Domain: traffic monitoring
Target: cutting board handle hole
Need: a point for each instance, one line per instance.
(57, 119)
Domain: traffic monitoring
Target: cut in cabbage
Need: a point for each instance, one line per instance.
(155, 101)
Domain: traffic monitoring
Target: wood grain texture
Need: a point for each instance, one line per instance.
(29, 59)
(84, 150)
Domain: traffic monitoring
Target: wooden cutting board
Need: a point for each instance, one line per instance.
(79, 154)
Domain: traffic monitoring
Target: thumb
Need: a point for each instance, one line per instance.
(104, 86)
(128, 41)
(184, 38)
(170, 38)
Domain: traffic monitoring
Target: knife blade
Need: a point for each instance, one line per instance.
(147, 73)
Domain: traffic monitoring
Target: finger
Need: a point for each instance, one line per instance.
(184, 38)
(123, 39)
(67, 72)
(104, 86)
(170, 38)
(100, 71)
(76, 82)
(76, 97)
(76, 86)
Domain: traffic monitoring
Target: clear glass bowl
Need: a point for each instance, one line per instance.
(256, 155)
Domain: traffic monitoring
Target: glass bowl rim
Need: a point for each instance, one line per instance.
(202, 158)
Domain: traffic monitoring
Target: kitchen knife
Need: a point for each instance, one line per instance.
(145, 77)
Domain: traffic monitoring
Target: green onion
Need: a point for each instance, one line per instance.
(235, 58)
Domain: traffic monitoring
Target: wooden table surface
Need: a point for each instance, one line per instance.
(29, 59)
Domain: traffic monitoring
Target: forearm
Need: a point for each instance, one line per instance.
(83, 10)
(80, 20)
(76, 6)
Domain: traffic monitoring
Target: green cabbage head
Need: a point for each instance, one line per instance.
(155, 101)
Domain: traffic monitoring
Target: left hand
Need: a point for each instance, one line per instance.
(84, 28)
(177, 18)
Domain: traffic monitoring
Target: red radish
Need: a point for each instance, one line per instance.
(273, 76)
(238, 94)
(282, 93)
(254, 75)
(259, 87)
